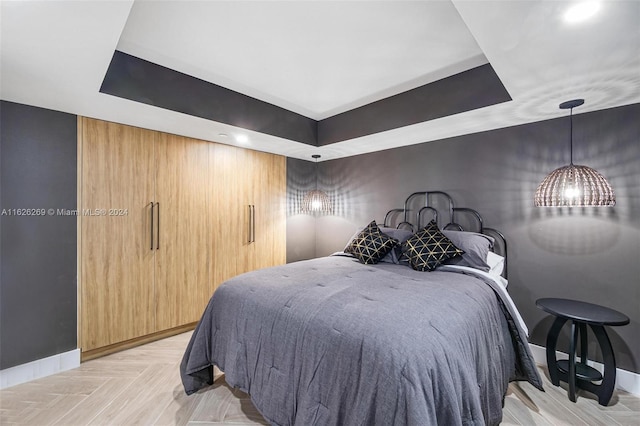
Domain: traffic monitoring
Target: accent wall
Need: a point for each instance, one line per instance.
(589, 254)
(38, 313)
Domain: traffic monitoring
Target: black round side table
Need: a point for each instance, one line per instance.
(580, 374)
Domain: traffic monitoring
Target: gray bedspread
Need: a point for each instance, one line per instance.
(331, 341)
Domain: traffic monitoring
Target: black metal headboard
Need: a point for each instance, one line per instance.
(420, 207)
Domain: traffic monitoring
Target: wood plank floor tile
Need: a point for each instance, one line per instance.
(584, 408)
(524, 412)
(143, 400)
(625, 418)
(629, 401)
(241, 410)
(509, 419)
(78, 385)
(56, 409)
(95, 403)
(214, 403)
(108, 368)
(142, 386)
(180, 410)
(551, 409)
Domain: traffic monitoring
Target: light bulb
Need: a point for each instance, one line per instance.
(571, 192)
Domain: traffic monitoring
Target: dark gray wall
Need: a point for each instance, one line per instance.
(37, 253)
(301, 243)
(590, 254)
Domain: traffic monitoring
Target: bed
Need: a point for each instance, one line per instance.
(335, 341)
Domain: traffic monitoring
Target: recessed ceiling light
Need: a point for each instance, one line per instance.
(242, 138)
(581, 11)
(222, 135)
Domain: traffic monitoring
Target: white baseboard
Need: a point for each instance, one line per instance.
(625, 380)
(39, 368)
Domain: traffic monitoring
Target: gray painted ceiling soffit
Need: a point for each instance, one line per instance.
(138, 80)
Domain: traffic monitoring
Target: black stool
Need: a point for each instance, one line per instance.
(580, 374)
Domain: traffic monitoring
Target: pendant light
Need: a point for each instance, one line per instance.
(574, 185)
(316, 200)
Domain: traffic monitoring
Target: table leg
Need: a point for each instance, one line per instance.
(605, 389)
(552, 340)
(583, 343)
(571, 376)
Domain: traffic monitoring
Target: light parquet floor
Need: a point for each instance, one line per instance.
(142, 386)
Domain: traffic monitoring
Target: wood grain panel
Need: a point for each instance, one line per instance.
(269, 194)
(183, 191)
(201, 193)
(248, 182)
(278, 207)
(244, 178)
(127, 344)
(117, 262)
(227, 221)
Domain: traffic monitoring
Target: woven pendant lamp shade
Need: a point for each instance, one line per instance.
(316, 201)
(572, 185)
(577, 186)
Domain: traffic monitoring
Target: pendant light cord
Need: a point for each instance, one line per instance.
(571, 136)
(570, 105)
(315, 157)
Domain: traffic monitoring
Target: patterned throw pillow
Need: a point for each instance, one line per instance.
(428, 248)
(371, 245)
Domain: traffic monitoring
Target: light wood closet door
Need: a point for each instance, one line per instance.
(183, 191)
(269, 195)
(117, 260)
(264, 188)
(227, 219)
(247, 162)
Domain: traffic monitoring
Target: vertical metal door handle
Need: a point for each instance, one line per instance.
(253, 223)
(158, 227)
(152, 225)
(249, 224)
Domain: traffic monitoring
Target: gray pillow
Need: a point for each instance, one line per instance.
(401, 235)
(476, 247)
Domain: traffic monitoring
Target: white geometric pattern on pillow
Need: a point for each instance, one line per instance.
(371, 245)
(428, 248)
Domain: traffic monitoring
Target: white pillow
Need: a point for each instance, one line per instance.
(496, 264)
(503, 281)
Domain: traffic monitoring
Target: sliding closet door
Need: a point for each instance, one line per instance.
(183, 193)
(117, 263)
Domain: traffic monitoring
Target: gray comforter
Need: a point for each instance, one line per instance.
(331, 341)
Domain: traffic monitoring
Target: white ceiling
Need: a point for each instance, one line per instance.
(314, 58)
(319, 58)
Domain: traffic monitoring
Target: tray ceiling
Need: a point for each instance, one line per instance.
(322, 58)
